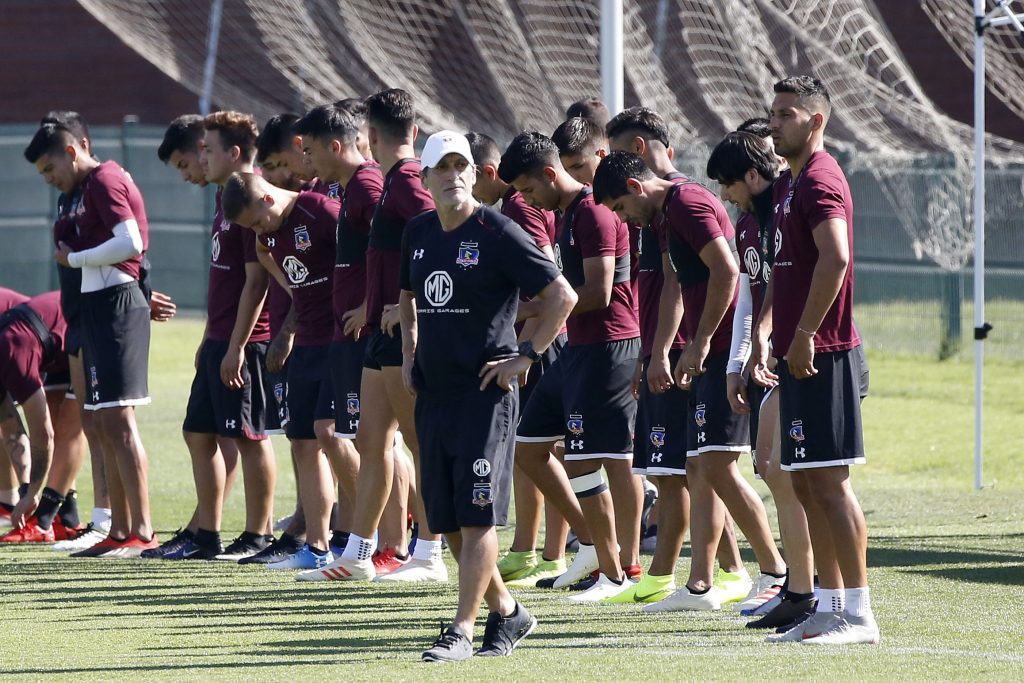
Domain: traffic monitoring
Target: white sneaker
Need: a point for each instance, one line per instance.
(583, 565)
(342, 569)
(847, 630)
(685, 601)
(417, 571)
(88, 539)
(604, 588)
(765, 608)
(811, 627)
(761, 591)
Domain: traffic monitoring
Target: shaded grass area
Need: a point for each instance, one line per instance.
(947, 571)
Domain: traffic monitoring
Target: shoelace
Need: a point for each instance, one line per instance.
(448, 638)
(87, 529)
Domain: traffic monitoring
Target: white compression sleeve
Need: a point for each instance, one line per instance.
(125, 244)
(741, 325)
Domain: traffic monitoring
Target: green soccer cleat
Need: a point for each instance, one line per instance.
(733, 586)
(545, 569)
(650, 588)
(515, 565)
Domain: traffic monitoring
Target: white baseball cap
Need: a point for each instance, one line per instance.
(442, 143)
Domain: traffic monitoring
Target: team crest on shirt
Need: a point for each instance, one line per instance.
(786, 203)
(572, 238)
(700, 415)
(469, 254)
(352, 404)
(92, 377)
(575, 424)
(279, 392)
(334, 191)
(796, 431)
(225, 225)
(302, 241)
(482, 495)
(658, 437)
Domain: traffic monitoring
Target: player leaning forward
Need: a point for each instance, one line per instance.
(463, 266)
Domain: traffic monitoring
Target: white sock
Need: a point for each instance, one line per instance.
(858, 602)
(830, 600)
(101, 519)
(9, 496)
(427, 550)
(358, 548)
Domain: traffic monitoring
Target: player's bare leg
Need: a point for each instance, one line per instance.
(316, 489)
(394, 523)
(259, 471)
(374, 438)
(673, 521)
(68, 442)
(707, 517)
(627, 493)
(529, 504)
(476, 550)
(101, 498)
(122, 439)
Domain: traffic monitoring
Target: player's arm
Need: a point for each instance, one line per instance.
(265, 260)
(723, 273)
(760, 343)
(14, 438)
(250, 305)
(598, 279)
(527, 309)
(831, 239)
(739, 350)
(281, 346)
(407, 318)
(40, 435)
(670, 315)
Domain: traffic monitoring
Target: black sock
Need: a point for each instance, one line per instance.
(208, 539)
(797, 597)
(69, 510)
(49, 502)
(250, 536)
(339, 539)
(317, 551)
(22, 491)
(694, 591)
(403, 558)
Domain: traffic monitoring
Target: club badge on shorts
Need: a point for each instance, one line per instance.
(482, 495)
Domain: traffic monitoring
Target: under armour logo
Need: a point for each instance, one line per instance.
(702, 437)
(353, 424)
(271, 241)
(800, 452)
(230, 424)
(417, 254)
(95, 395)
(576, 445)
(656, 457)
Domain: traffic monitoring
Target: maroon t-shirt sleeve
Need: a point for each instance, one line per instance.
(695, 222)
(822, 194)
(536, 222)
(19, 369)
(595, 230)
(248, 245)
(409, 196)
(110, 197)
(362, 201)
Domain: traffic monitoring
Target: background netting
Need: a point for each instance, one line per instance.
(706, 65)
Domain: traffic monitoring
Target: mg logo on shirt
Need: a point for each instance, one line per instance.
(558, 256)
(439, 288)
(752, 261)
(295, 269)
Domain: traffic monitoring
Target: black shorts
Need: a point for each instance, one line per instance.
(115, 334)
(756, 396)
(820, 415)
(714, 427)
(538, 369)
(214, 408)
(586, 398)
(383, 351)
(275, 386)
(346, 360)
(467, 449)
(660, 437)
(309, 391)
(73, 339)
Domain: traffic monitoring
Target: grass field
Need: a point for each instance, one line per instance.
(947, 575)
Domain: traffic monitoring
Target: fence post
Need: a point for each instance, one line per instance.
(128, 124)
(952, 285)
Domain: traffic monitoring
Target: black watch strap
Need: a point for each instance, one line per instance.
(526, 349)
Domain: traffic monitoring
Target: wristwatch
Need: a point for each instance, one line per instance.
(526, 349)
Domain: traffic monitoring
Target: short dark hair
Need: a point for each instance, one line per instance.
(484, 148)
(809, 90)
(589, 108)
(758, 125)
(276, 135)
(354, 107)
(235, 129)
(71, 120)
(739, 152)
(240, 192)
(326, 122)
(613, 172)
(50, 138)
(645, 121)
(183, 135)
(575, 135)
(528, 153)
(391, 112)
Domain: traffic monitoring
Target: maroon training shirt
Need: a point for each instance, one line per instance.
(22, 370)
(9, 299)
(538, 223)
(359, 201)
(109, 197)
(329, 190)
(819, 193)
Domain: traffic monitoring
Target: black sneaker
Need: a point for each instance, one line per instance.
(785, 615)
(502, 634)
(278, 550)
(201, 551)
(246, 545)
(172, 549)
(451, 646)
(586, 583)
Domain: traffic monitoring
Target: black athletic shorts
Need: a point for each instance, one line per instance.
(538, 369)
(586, 398)
(215, 408)
(383, 351)
(346, 360)
(714, 427)
(275, 386)
(820, 415)
(756, 395)
(660, 438)
(310, 397)
(73, 339)
(115, 335)
(467, 448)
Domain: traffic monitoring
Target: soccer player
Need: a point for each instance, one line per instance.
(699, 289)
(296, 233)
(462, 269)
(592, 108)
(587, 391)
(112, 238)
(822, 371)
(745, 166)
(280, 154)
(356, 108)
(384, 403)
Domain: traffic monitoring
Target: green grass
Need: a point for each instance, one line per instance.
(947, 575)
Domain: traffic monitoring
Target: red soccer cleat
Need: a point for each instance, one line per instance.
(30, 533)
(385, 562)
(65, 533)
(107, 545)
(132, 547)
